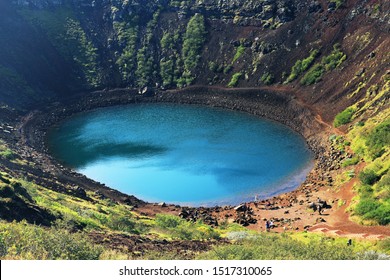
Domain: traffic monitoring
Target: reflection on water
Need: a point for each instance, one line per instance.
(182, 154)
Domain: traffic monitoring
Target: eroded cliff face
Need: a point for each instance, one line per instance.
(330, 52)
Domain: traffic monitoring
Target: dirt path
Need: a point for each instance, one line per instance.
(339, 222)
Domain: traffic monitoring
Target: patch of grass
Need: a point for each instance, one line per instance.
(181, 229)
(301, 66)
(235, 78)
(281, 247)
(7, 154)
(267, 78)
(378, 139)
(25, 241)
(193, 41)
(314, 75)
(328, 63)
(239, 52)
(351, 161)
(344, 117)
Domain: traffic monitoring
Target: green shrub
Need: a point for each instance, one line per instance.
(344, 117)
(184, 230)
(193, 41)
(234, 81)
(330, 62)
(366, 206)
(314, 75)
(121, 223)
(368, 177)
(240, 51)
(227, 69)
(339, 3)
(25, 241)
(379, 139)
(7, 154)
(302, 65)
(280, 247)
(351, 161)
(167, 221)
(267, 78)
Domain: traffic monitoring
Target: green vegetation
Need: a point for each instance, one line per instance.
(379, 139)
(328, 63)
(184, 230)
(145, 58)
(234, 81)
(239, 52)
(25, 241)
(6, 152)
(351, 161)
(193, 41)
(267, 78)
(170, 63)
(68, 237)
(371, 141)
(127, 35)
(68, 37)
(288, 247)
(301, 66)
(339, 3)
(345, 116)
(314, 75)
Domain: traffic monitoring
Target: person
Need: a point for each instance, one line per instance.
(271, 224)
(267, 225)
(319, 209)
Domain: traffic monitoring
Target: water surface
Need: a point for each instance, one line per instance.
(192, 155)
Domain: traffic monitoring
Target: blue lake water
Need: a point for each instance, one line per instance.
(190, 155)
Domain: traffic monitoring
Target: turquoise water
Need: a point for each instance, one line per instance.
(191, 155)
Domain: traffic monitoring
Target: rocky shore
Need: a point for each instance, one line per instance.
(30, 142)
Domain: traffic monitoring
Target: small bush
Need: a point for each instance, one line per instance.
(378, 139)
(314, 75)
(167, 221)
(25, 241)
(184, 230)
(267, 78)
(351, 161)
(271, 247)
(344, 117)
(368, 177)
(239, 53)
(7, 154)
(234, 81)
(301, 65)
(121, 223)
(366, 206)
(330, 62)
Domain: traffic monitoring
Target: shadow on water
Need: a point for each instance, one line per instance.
(81, 155)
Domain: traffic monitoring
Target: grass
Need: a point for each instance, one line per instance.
(266, 246)
(26, 241)
(371, 141)
(345, 116)
(235, 78)
(181, 229)
(239, 52)
(328, 63)
(301, 66)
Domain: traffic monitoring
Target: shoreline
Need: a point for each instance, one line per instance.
(289, 210)
(278, 107)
